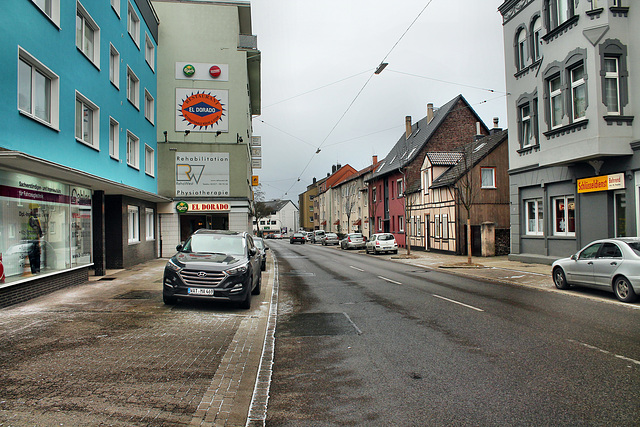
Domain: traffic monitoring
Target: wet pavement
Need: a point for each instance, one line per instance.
(109, 352)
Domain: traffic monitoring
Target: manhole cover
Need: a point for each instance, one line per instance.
(316, 324)
(137, 295)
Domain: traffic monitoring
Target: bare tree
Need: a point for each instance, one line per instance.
(350, 199)
(466, 189)
(259, 208)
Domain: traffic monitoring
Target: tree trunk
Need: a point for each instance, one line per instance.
(468, 240)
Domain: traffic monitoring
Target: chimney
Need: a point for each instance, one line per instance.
(333, 169)
(478, 134)
(495, 129)
(338, 166)
(375, 159)
(408, 125)
(429, 112)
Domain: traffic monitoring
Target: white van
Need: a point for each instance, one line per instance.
(317, 236)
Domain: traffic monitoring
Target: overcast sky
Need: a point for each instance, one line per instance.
(318, 55)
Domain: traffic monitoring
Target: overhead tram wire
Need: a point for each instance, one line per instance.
(447, 82)
(378, 70)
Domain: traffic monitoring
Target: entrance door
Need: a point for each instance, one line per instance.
(192, 222)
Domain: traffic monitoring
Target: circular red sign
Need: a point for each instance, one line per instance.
(215, 71)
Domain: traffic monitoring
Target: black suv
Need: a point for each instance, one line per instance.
(214, 264)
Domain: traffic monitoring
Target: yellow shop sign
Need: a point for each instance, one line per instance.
(601, 183)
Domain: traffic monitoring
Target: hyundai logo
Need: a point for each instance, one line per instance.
(202, 274)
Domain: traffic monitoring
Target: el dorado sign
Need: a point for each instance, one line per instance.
(184, 207)
(601, 183)
(202, 110)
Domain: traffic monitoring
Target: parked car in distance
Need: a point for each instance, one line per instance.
(277, 236)
(297, 238)
(216, 265)
(353, 241)
(317, 236)
(608, 264)
(330, 239)
(263, 251)
(381, 242)
(309, 236)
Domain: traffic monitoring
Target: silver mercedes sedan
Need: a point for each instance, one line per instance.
(607, 264)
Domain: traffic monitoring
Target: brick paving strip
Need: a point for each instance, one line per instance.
(223, 404)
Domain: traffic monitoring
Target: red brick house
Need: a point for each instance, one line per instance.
(443, 129)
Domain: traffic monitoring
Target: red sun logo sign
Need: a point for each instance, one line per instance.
(201, 110)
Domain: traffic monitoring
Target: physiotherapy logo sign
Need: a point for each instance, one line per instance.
(202, 110)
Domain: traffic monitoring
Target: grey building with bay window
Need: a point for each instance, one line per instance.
(572, 75)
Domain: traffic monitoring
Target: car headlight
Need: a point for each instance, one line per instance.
(172, 266)
(238, 270)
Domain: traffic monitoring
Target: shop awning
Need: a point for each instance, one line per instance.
(358, 222)
(25, 163)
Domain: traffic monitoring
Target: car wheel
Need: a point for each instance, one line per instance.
(623, 290)
(559, 279)
(168, 300)
(257, 289)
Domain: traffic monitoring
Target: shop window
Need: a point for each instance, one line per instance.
(620, 214)
(564, 216)
(534, 217)
(133, 224)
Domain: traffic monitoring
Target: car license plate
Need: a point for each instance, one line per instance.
(200, 291)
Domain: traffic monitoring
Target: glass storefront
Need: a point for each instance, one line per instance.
(45, 226)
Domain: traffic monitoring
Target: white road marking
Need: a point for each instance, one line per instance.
(389, 280)
(356, 268)
(458, 302)
(592, 347)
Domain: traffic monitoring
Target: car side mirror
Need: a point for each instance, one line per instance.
(574, 257)
(252, 251)
(179, 248)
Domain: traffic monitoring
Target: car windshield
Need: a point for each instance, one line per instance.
(356, 235)
(215, 243)
(386, 237)
(635, 246)
(297, 235)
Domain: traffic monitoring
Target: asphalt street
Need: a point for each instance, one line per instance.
(363, 340)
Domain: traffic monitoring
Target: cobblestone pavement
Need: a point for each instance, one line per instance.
(109, 352)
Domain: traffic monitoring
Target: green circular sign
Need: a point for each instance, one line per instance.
(182, 207)
(189, 70)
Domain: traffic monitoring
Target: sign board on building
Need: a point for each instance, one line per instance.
(202, 110)
(256, 141)
(256, 151)
(255, 181)
(601, 183)
(202, 71)
(256, 163)
(202, 174)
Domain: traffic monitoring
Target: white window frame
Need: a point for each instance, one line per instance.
(437, 227)
(537, 39)
(133, 24)
(115, 4)
(133, 224)
(149, 51)
(401, 223)
(566, 201)
(114, 66)
(149, 106)
(94, 122)
(576, 85)
(149, 160)
(399, 187)
(445, 226)
(555, 96)
(534, 226)
(53, 92)
(493, 177)
(150, 226)
(114, 138)
(133, 88)
(615, 76)
(92, 53)
(522, 49)
(51, 9)
(379, 223)
(374, 194)
(526, 136)
(133, 150)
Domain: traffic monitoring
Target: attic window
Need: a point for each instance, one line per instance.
(416, 132)
(380, 168)
(412, 151)
(475, 150)
(394, 157)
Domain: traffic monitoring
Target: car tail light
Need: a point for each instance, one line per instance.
(349, 239)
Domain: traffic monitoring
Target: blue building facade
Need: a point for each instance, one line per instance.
(78, 162)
